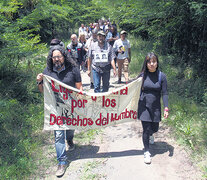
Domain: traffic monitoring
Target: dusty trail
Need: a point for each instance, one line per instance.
(117, 154)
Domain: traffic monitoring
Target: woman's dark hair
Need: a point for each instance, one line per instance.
(67, 58)
(55, 42)
(114, 33)
(148, 57)
(144, 70)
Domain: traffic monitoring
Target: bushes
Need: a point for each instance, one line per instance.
(20, 119)
(189, 127)
(18, 122)
(139, 50)
(188, 119)
(178, 29)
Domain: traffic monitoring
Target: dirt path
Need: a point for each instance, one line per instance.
(117, 154)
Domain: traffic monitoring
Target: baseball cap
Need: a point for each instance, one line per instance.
(101, 33)
(123, 32)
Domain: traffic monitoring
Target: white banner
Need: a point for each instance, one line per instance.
(66, 107)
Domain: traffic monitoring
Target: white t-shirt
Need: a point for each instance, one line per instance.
(89, 42)
(81, 30)
(124, 46)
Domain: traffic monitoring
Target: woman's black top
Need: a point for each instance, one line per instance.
(149, 107)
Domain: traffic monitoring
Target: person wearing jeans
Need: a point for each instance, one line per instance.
(60, 147)
(101, 58)
(62, 67)
(105, 76)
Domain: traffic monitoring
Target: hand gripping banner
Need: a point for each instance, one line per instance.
(66, 107)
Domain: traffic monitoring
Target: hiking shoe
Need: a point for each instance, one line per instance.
(151, 139)
(71, 146)
(147, 157)
(61, 170)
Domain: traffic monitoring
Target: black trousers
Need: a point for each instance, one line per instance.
(148, 129)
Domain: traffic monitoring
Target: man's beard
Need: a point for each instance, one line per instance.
(101, 41)
(58, 65)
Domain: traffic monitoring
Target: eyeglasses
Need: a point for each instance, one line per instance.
(57, 57)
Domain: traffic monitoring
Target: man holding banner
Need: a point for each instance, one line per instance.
(63, 68)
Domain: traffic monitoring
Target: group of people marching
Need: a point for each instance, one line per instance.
(96, 50)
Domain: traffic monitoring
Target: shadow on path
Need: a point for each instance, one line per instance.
(161, 148)
(88, 151)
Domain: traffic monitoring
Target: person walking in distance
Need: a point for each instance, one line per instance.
(76, 50)
(154, 85)
(112, 35)
(101, 66)
(123, 49)
(62, 67)
(82, 29)
(89, 43)
(82, 40)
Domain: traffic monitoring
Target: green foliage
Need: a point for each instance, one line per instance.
(139, 50)
(20, 118)
(177, 28)
(205, 171)
(86, 137)
(190, 126)
(88, 173)
(17, 126)
(183, 81)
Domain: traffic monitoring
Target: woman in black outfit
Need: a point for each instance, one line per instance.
(154, 86)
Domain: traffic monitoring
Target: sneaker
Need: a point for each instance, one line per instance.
(61, 170)
(151, 139)
(147, 157)
(71, 146)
